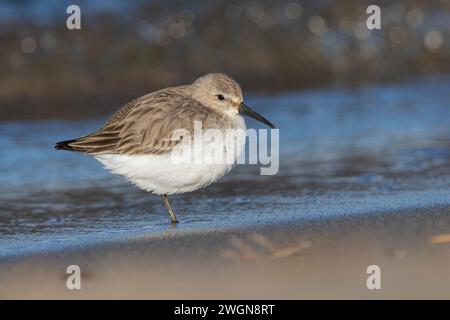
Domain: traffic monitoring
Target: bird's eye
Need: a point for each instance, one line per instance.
(220, 97)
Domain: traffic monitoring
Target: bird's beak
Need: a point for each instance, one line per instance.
(245, 110)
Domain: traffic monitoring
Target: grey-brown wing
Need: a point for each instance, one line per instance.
(146, 125)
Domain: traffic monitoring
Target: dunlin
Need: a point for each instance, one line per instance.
(137, 141)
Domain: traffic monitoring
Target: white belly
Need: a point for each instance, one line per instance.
(160, 174)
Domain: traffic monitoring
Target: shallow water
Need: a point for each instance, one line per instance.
(342, 152)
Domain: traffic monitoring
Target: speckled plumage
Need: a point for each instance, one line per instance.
(145, 125)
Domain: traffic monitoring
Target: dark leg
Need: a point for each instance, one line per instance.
(165, 199)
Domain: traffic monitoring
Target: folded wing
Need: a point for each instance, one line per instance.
(145, 125)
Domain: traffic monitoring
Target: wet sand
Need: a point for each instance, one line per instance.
(310, 259)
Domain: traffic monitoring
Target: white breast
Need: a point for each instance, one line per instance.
(160, 174)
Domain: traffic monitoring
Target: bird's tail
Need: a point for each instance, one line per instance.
(65, 145)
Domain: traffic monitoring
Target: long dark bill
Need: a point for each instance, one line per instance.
(245, 110)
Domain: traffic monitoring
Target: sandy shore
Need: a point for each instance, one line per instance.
(311, 259)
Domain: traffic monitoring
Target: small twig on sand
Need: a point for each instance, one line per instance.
(243, 250)
(439, 238)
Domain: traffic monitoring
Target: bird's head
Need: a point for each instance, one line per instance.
(221, 92)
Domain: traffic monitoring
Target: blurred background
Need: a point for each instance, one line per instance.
(128, 48)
